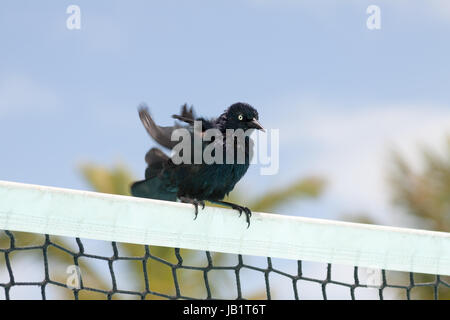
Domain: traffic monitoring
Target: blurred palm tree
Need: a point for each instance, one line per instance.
(303, 188)
(424, 194)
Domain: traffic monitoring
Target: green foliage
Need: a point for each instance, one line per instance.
(424, 193)
(299, 189)
(114, 181)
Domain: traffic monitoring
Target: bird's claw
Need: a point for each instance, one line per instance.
(196, 203)
(248, 214)
(196, 210)
(247, 211)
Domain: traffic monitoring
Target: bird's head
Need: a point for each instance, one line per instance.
(240, 116)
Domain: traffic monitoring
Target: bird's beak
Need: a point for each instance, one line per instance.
(257, 125)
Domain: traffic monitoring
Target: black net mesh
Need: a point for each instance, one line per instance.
(34, 266)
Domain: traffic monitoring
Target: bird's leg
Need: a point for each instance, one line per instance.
(239, 208)
(193, 202)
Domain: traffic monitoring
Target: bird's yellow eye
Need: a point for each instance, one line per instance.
(241, 117)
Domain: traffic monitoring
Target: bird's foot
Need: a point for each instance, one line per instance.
(247, 211)
(194, 202)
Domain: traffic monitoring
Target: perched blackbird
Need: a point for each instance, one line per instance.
(197, 182)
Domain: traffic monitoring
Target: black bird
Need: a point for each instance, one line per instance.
(196, 183)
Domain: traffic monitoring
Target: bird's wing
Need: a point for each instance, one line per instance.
(156, 162)
(155, 157)
(184, 119)
(187, 112)
(161, 135)
(186, 115)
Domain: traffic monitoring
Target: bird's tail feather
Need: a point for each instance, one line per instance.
(154, 186)
(152, 189)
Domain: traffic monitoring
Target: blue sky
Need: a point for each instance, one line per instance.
(340, 94)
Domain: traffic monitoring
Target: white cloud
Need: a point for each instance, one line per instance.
(20, 94)
(350, 147)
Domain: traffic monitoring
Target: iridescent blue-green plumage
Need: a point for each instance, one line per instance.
(196, 183)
